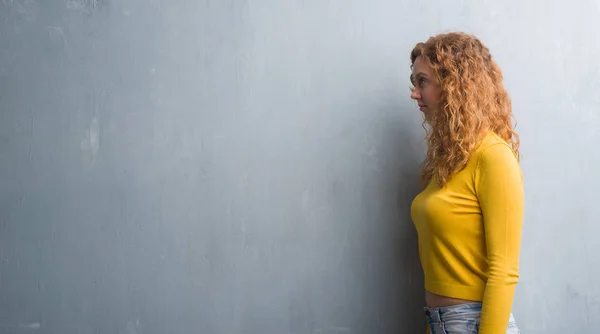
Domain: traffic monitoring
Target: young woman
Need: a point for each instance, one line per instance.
(469, 215)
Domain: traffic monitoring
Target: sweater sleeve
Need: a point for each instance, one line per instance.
(501, 197)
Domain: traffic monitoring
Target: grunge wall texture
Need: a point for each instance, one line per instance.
(247, 166)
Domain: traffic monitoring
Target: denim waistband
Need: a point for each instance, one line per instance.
(438, 314)
(469, 314)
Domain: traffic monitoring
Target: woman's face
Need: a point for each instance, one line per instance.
(426, 90)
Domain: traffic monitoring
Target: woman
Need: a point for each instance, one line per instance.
(469, 215)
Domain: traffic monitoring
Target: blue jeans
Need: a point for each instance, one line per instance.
(460, 319)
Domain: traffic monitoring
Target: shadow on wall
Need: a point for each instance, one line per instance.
(395, 280)
(410, 294)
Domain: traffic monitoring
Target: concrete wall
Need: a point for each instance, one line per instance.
(247, 166)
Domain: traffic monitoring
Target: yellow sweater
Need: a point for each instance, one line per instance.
(469, 232)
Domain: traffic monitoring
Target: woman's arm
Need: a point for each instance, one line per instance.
(501, 197)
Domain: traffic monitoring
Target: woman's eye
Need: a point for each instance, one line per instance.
(422, 82)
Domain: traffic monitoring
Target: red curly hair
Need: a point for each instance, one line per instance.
(473, 101)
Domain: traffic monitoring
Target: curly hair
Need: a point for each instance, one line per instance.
(473, 101)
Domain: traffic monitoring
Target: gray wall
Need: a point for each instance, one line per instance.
(247, 166)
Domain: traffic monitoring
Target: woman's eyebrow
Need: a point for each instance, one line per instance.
(417, 76)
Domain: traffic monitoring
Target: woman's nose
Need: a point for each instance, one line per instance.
(415, 94)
